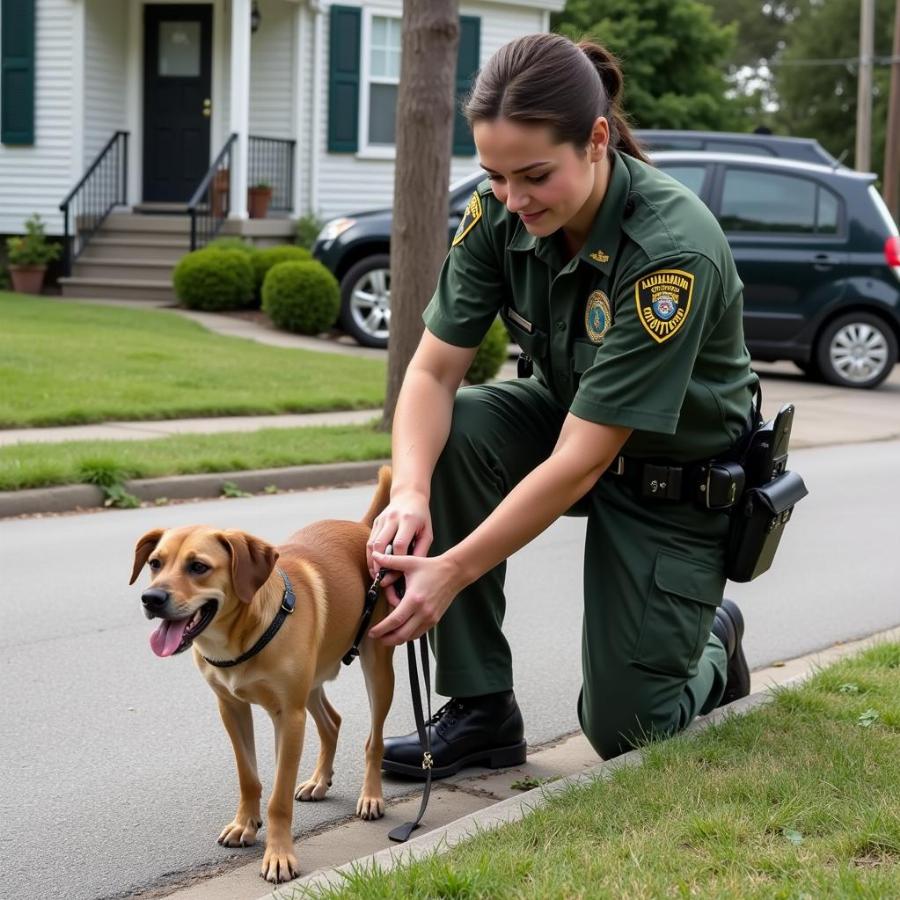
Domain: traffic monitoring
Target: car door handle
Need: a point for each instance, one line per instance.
(822, 262)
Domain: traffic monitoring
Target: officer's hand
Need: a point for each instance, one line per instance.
(431, 585)
(405, 524)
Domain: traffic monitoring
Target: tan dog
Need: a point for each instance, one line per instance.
(219, 591)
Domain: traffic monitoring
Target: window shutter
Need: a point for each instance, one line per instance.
(467, 64)
(17, 72)
(343, 79)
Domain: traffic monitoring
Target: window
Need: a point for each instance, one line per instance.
(690, 176)
(756, 201)
(382, 79)
(748, 148)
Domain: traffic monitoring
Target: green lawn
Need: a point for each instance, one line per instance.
(38, 465)
(798, 799)
(64, 363)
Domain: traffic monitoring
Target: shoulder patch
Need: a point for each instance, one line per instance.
(470, 218)
(663, 300)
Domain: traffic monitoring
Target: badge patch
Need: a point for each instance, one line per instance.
(599, 256)
(470, 218)
(663, 301)
(597, 316)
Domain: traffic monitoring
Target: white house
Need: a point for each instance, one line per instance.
(306, 88)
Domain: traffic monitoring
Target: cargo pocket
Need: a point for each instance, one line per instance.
(533, 342)
(678, 614)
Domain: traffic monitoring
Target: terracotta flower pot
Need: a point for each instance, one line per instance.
(27, 279)
(221, 185)
(258, 199)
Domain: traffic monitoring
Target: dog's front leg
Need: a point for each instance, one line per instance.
(279, 863)
(238, 720)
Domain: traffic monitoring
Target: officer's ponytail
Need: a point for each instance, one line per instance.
(546, 79)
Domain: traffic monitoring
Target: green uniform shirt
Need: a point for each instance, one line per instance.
(643, 328)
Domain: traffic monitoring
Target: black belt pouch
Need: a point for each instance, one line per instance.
(757, 524)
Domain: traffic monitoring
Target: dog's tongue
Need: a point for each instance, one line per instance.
(167, 638)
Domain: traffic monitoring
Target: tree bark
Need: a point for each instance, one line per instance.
(419, 237)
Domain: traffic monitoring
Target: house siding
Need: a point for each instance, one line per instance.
(271, 71)
(351, 182)
(105, 74)
(36, 178)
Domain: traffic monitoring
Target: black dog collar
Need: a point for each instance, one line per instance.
(288, 600)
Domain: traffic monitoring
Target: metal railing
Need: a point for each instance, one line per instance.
(271, 163)
(103, 186)
(209, 206)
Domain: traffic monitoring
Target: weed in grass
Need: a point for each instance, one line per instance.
(116, 495)
(270, 489)
(230, 489)
(529, 782)
(102, 472)
(849, 688)
(868, 718)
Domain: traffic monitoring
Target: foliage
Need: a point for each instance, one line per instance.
(32, 248)
(214, 279)
(308, 228)
(490, 355)
(271, 256)
(301, 296)
(673, 56)
(233, 243)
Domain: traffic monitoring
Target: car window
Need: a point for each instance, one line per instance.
(670, 143)
(690, 176)
(748, 148)
(757, 201)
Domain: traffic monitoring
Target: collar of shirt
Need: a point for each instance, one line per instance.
(603, 239)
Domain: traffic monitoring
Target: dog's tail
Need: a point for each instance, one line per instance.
(382, 496)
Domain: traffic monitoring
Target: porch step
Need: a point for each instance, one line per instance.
(136, 247)
(93, 266)
(118, 289)
(154, 225)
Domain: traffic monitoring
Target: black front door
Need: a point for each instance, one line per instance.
(177, 82)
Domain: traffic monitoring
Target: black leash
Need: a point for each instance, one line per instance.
(288, 601)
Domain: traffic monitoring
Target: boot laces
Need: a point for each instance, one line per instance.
(447, 712)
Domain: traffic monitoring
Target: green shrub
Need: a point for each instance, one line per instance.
(233, 243)
(301, 296)
(490, 356)
(32, 248)
(308, 228)
(271, 256)
(214, 279)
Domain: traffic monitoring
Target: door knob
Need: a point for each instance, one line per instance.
(207, 107)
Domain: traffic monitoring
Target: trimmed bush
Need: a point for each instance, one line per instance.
(301, 296)
(271, 256)
(233, 243)
(213, 279)
(490, 356)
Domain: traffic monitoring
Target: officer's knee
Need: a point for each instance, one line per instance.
(608, 739)
(614, 729)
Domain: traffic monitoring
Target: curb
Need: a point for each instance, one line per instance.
(70, 498)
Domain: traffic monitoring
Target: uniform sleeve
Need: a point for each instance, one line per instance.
(470, 288)
(663, 313)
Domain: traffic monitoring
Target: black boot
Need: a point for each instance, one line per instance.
(728, 627)
(468, 731)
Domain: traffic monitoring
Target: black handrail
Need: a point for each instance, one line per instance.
(102, 187)
(209, 206)
(271, 162)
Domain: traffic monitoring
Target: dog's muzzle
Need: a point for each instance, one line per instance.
(153, 600)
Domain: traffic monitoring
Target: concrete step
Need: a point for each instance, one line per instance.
(129, 246)
(149, 225)
(118, 289)
(89, 266)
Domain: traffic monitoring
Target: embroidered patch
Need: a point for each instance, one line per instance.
(663, 301)
(597, 316)
(599, 256)
(470, 218)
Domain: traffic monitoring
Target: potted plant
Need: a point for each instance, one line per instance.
(258, 198)
(28, 256)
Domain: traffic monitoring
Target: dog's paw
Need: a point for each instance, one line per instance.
(279, 864)
(370, 807)
(314, 789)
(240, 833)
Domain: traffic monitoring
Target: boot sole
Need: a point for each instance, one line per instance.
(496, 758)
(738, 670)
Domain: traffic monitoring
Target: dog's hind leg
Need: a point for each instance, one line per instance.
(238, 722)
(378, 669)
(328, 723)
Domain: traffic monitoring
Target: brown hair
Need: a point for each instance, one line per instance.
(546, 79)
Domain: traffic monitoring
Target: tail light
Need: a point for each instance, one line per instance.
(892, 253)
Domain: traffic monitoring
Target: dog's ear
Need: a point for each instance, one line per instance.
(145, 546)
(252, 561)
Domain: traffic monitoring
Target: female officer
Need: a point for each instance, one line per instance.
(618, 284)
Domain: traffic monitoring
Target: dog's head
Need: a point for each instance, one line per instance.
(197, 573)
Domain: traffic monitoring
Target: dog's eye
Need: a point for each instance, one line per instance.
(198, 568)
(154, 564)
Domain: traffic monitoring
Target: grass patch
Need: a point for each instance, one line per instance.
(797, 799)
(109, 463)
(65, 363)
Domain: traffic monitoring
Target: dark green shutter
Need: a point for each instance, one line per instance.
(343, 79)
(17, 72)
(467, 64)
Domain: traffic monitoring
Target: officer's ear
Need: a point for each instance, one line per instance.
(599, 139)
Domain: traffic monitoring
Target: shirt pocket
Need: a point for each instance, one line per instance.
(534, 342)
(583, 355)
(678, 614)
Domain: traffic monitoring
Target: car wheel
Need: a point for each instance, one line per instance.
(810, 369)
(856, 350)
(366, 300)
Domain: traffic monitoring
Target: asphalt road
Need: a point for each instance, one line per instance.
(117, 774)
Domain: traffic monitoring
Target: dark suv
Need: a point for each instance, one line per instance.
(814, 244)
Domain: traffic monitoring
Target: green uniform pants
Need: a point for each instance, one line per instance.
(653, 576)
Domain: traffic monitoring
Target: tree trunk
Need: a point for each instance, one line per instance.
(425, 111)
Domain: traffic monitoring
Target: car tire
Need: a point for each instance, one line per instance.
(810, 369)
(857, 350)
(366, 300)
